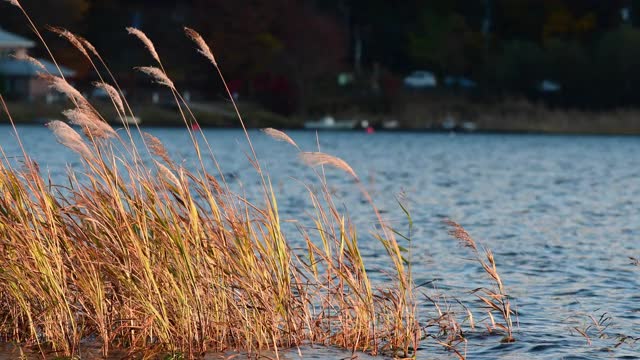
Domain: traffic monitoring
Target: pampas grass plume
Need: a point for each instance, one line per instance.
(319, 158)
(112, 92)
(158, 75)
(14, 3)
(24, 57)
(72, 38)
(203, 48)
(89, 120)
(69, 138)
(146, 41)
(279, 136)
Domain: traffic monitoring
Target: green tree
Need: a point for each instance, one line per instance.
(520, 67)
(445, 43)
(617, 58)
(569, 64)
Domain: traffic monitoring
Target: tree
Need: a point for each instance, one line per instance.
(314, 49)
(520, 67)
(569, 64)
(445, 43)
(286, 37)
(617, 56)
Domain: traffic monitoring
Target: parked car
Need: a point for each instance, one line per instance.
(421, 79)
(459, 81)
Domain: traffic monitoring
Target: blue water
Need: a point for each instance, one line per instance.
(561, 213)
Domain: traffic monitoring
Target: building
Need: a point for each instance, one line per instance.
(19, 78)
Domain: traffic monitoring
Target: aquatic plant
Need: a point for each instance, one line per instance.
(152, 256)
(496, 299)
(138, 252)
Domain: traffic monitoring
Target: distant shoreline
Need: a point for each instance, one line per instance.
(509, 117)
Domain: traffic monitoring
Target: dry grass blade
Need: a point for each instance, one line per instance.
(72, 38)
(161, 260)
(88, 119)
(62, 86)
(157, 148)
(157, 75)
(458, 232)
(168, 175)
(88, 45)
(112, 92)
(497, 300)
(146, 41)
(280, 136)
(24, 57)
(69, 138)
(203, 48)
(319, 158)
(14, 3)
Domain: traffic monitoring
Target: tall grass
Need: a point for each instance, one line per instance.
(496, 299)
(151, 257)
(156, 257)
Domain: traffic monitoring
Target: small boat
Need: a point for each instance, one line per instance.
(469, 126)
(390, 124)
(329, 123)
(129, 120)
(449, 123)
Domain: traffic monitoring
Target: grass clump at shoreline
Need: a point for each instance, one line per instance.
(137, 253)
(154, 257)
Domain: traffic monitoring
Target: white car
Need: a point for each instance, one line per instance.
(421, 79)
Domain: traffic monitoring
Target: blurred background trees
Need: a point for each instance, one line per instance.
(287, 53)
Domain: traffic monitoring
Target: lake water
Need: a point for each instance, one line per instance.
(561, 213)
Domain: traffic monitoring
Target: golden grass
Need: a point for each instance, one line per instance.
(496, 299)
(159, 259)
(163, 259)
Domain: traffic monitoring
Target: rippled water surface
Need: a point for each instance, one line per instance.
(561, 213)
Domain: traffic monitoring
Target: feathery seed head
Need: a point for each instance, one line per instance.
(88, 45)
(319, 158)
(69, 138)
(14, 3)
(24, 57)
(158, 75)
(157, 148)
(112, 92)
(146, 41)
(279, 136)
(62, 86)
(168, 174)
(458, 232)
(88, 119)
(73, 39)
(203, 48)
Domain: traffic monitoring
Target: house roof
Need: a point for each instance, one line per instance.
(17, 67)
(9, 40)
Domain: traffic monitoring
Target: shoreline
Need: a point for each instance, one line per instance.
(509, 117)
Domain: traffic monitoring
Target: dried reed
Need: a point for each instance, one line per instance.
(24, 57)
(90, 122)
(280, 136)
(112, 93)
(203, 48)
(496, 300)
(157, 75)
(69, 138)
(146, 41)
(177, 263)
(319, 158)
